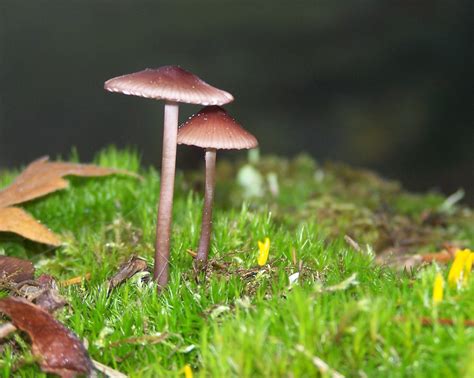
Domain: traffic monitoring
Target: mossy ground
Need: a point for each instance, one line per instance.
(249, 322)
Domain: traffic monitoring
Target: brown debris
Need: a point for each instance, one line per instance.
(75, 280)
(17, 276)
(441, 257)
(428, 322)
(145, 339)
(38, 179)
(58, 349)
(126, 271)
(14, 270)
(43, 292)
(443, 321)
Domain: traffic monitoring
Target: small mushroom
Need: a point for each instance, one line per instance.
(212, 128)
(172, 84)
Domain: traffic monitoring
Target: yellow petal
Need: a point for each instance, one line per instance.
(188, 372)
(468, 266)
(264, 249)
(458, 268)
(438, 289)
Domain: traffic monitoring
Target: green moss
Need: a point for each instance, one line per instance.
(243, 321)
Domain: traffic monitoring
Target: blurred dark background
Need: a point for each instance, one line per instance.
(384, 85)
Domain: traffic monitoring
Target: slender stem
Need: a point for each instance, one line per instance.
(165, 206)
(206, 223)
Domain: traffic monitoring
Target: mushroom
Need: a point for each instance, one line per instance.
(172, 84)
(212, 128)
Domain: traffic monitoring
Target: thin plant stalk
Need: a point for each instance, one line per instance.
(206, 224)
(165, 206)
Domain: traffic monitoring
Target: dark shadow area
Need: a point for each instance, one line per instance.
(383, 85)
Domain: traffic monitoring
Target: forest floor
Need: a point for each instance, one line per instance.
(347, 289)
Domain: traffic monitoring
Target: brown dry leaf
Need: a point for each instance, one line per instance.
(38, 179)
(58, 349)
(441, 257)
(126, 271)
(14, 270)
(18, 221)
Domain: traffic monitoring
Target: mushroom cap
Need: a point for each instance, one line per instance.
(170, 83)
(212, 127)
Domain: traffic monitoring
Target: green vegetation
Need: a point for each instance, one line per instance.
(248, 321)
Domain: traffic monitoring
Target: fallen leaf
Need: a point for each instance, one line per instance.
(18, 221)
(38, 179)
(14, 270)
(42, 177)
(58, 349)
(126, 271)
(441, 257)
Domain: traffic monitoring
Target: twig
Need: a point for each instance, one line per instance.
(352, 243)
(428, 322)
(322, 366)
(108, 371)
(444, 321)
(75, 280)
(293, 256)
(145, 339)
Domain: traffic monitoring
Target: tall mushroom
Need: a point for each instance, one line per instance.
(172, 84)
(212, 128)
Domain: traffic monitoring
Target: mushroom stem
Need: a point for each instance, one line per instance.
(206, 226)
(165, 206)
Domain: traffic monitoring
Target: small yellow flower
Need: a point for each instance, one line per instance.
(461, 268)
(188, 372)
(264, 249)
(438, 289)
(468, 266)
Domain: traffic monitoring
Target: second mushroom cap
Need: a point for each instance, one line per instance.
(212, 127)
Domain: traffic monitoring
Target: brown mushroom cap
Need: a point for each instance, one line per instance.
(170, 83)
(212, 127)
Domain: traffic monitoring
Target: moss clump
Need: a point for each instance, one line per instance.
(240, 320)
